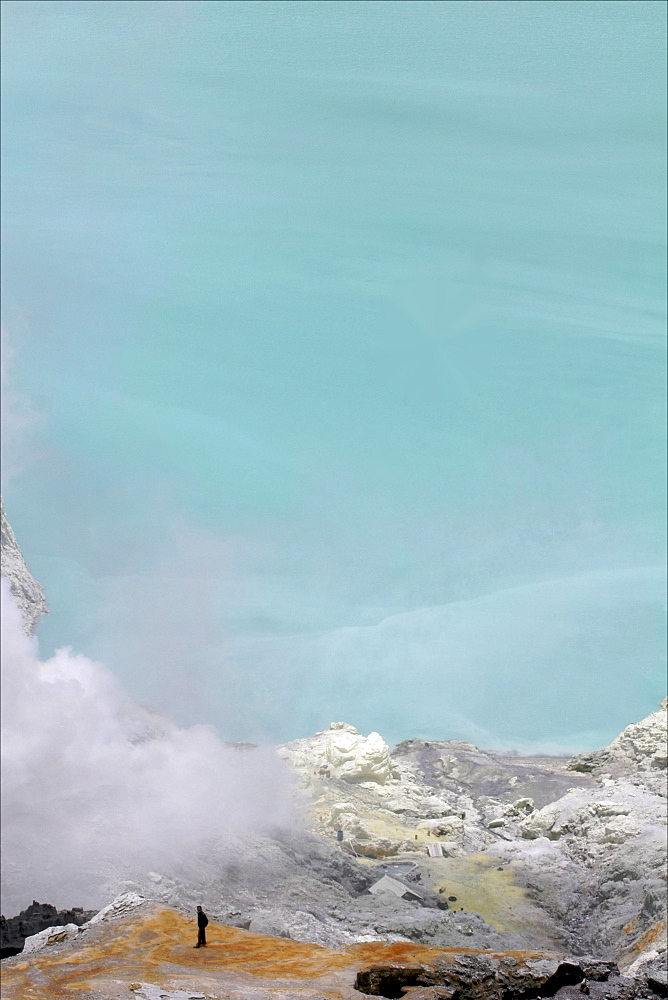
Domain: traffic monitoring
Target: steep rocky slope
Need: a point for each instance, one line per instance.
(28, 594)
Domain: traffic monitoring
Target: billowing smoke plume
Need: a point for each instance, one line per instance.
(94, 786)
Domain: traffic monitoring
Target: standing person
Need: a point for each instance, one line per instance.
(202, 921)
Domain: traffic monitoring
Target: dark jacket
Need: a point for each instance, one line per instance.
(202, 919)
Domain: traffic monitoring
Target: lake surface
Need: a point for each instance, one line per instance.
(337, 372)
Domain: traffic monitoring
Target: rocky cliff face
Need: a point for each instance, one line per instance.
(28, 593)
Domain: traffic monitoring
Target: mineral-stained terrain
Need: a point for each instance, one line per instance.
(433, 870)
(146, 949)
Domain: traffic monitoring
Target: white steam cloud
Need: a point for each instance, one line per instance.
(94, 787)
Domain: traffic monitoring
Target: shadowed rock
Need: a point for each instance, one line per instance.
(498, 977)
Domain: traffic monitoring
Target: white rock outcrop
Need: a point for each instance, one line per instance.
(587, 849)
(640, 751)
(358, 758)
(642, 744)
(612, 820)
(48, 937)
(125, 903)
(27, 593)
(149, 991)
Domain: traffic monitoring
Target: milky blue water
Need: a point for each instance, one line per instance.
(340, 326)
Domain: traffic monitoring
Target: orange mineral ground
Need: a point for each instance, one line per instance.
(153, 952)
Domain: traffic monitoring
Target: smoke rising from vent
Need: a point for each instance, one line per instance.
(94, 785)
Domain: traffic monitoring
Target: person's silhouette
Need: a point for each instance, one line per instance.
(202, 921)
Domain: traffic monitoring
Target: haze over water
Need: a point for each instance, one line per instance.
(338, 360)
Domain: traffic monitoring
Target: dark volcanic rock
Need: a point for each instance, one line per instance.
(35, 918)
(657, 981)
(495, 977)
(389, 980)
(460, 767)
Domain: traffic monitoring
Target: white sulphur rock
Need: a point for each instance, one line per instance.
(48, 937)
(124, 903)
(27, 592)
(149, 991)
(357, 758)
(345, 726)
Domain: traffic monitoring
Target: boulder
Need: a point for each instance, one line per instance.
(658, 982)
(48, 937)
(642, 742)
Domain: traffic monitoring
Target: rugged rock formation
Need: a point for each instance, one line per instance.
(639, 753)
(341, 752)
(37, 917)
(546, 852)
(28, 593)
(53, 929)
(515, 976)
